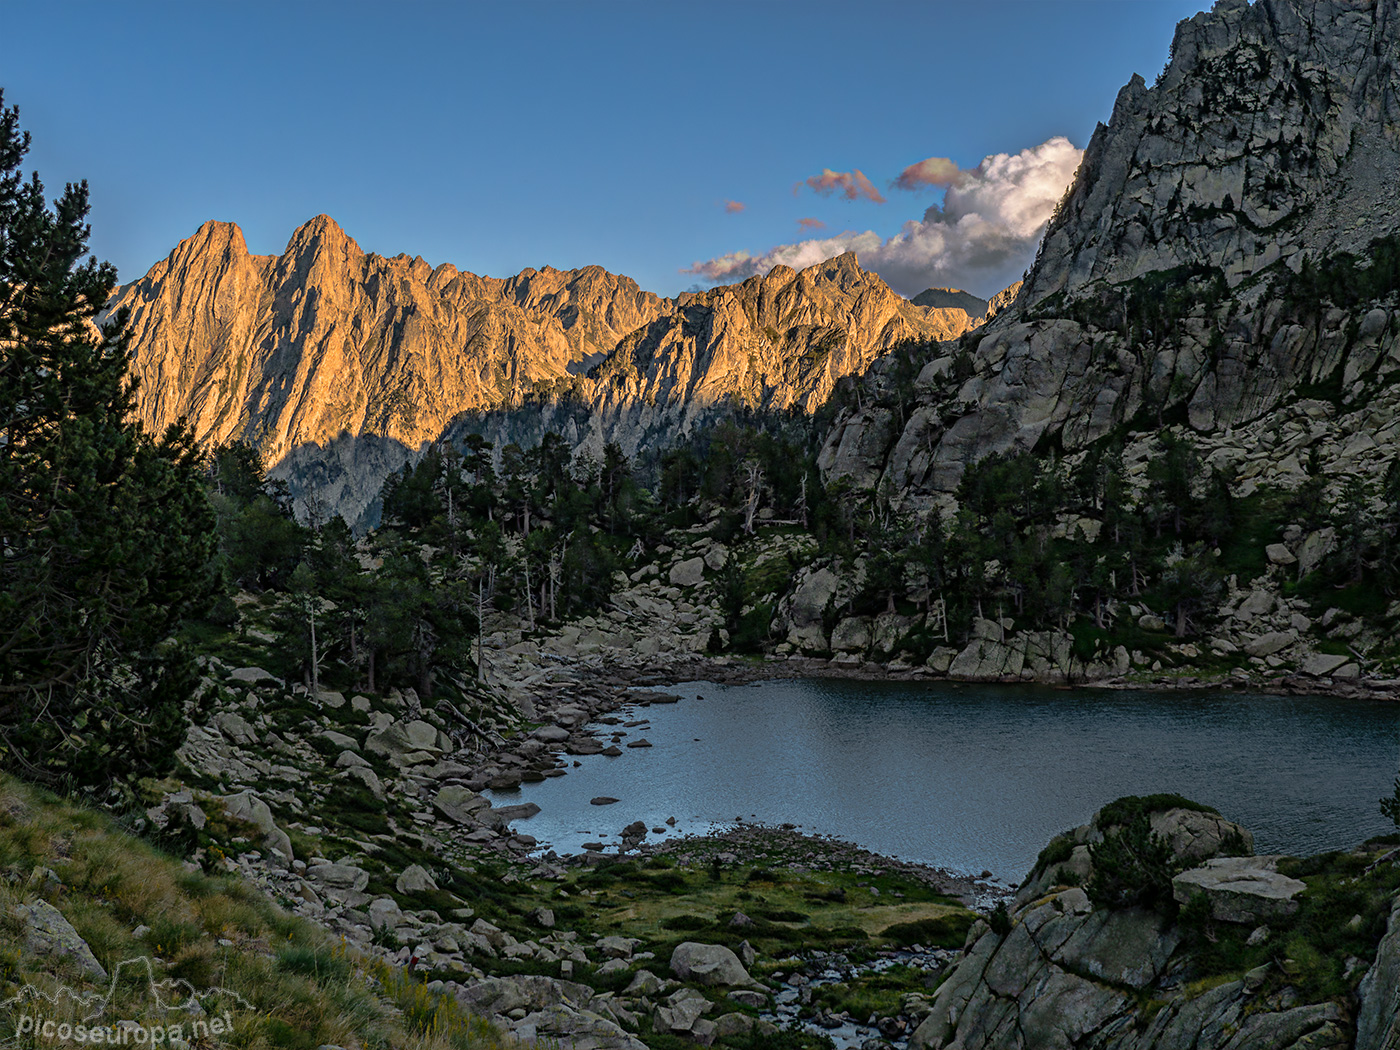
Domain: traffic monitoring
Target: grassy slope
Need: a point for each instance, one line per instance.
(305, 991)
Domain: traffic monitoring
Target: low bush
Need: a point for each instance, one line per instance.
(1133, 865)
(945, 931)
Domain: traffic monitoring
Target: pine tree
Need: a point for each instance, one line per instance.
(106, 534)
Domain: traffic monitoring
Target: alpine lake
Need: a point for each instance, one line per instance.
(972, 778)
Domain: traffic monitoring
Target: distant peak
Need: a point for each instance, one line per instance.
(215, 236)
(319, 230)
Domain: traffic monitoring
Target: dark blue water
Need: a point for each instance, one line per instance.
(979, 777)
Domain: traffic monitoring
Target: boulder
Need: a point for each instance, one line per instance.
(1278, 554)
(408, 743)
(530, 992)
(236, 728)
(414, 880)
(254, 675)
(248, 807)
(1246, 890)
(49, 935)
(1319, 665)
(688, 573)
(340, 740)
(342, 877)
(1196, 836)
(712, 965)
(1258, 603)
(1270, 643)
(366, 777)
(681, 1010)
(563, 1026)
(459, 803)
(805, 609)
(384, 914)
(851, 635)
(618, 947)
(1315, 547)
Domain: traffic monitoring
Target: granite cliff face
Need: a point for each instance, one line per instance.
(1223, 260)
(340, 364)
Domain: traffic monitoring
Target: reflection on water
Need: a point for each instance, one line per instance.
(979, 777)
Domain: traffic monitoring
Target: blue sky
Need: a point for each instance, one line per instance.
(502, 136)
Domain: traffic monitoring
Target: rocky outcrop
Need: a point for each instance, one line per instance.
(1271, 134)
(1064, 971)
(1378, 1023)
(339, 364)
(1172, 281)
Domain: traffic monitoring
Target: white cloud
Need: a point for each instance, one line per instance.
(981, 238)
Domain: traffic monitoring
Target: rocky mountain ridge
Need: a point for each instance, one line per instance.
(326, 342)
(1224, 258)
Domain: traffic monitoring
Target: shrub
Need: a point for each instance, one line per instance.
(945, 931)
(1059, 850)
(685, 922)
(1000, 920)
(1125, 809)
(1132, 866)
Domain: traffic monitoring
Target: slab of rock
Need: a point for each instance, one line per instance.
(415, 879)
(1240, 889)
(340, 740)
(247, 806)
(1319, 665)
(563, 1026)
(47, 933)
(339, 876)
(1270, 643)
(408, 743)
(459, 803)
(254, 675)
(368, 778)
(712, 965)
(689, 573)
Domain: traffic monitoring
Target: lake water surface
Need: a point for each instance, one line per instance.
(974, 777)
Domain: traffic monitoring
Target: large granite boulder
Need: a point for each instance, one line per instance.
(48, 935)
(409, 743)
(712, 965)
(246, 806)
(1240, 889)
